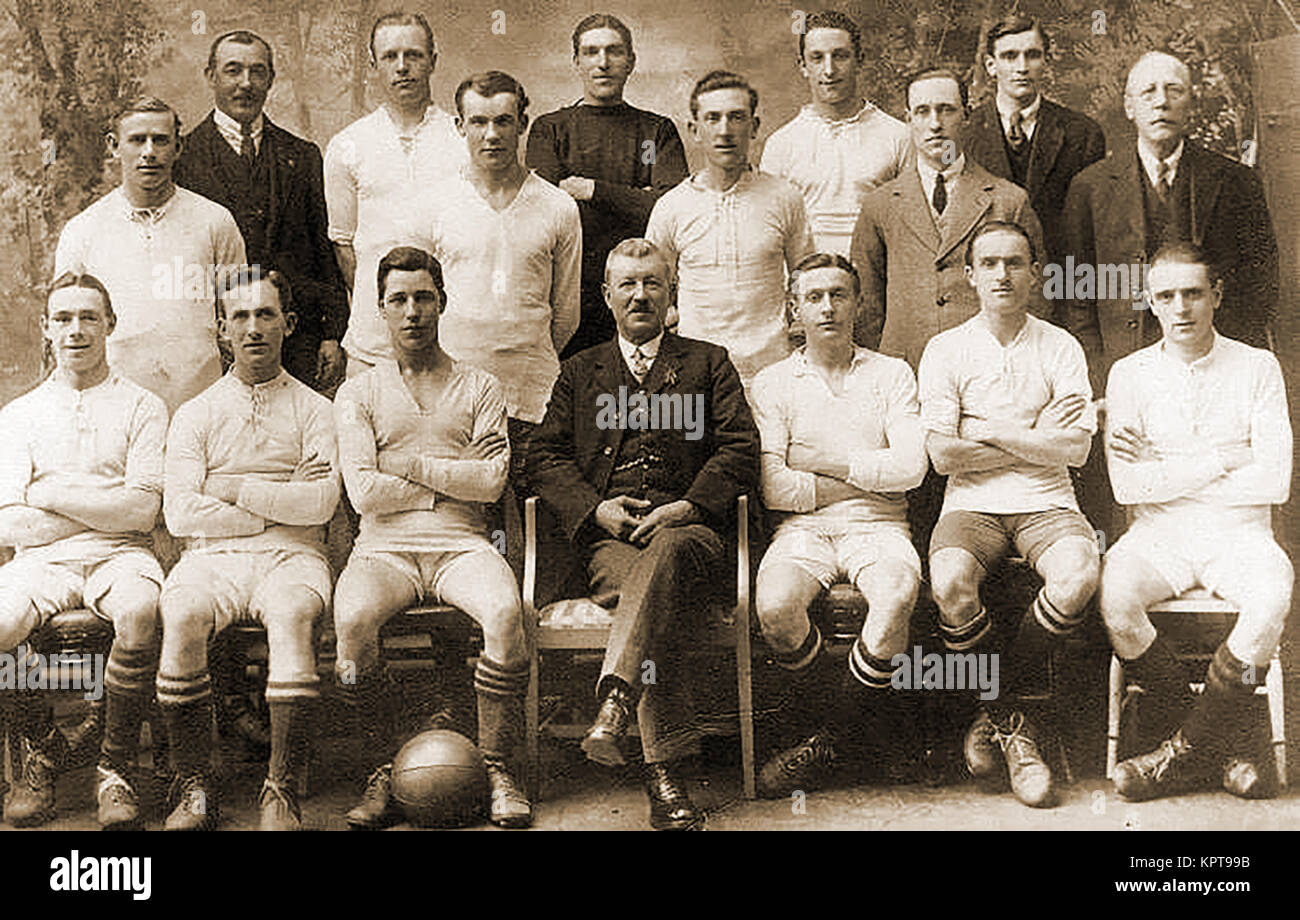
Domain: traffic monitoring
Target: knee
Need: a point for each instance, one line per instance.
(295, 613)
(892, 590)
(355, 619)
(782, 614)
(1075, 584)
(502, 620)
(1118, 596)
(186, 615)
(133, 608)
(955, 590)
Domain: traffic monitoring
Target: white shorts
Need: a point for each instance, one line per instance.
(32, 590)
(829, 551)
(427, 571)
(238, 585)
(1232, 563)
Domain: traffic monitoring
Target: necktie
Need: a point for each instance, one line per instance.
(1016, 131)
(246, 149)
(940, 198)
(640, 364)
(1164, 180)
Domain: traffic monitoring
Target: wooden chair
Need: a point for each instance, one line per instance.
(1206, 611)
(579, 623)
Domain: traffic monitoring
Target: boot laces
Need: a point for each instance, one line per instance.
(113, 785)
(1014, 743)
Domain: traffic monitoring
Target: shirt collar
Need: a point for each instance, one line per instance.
(745, 178)
(148, 215)
(425, 120)
(232, 130)
(800, 358)
(1201, 363)
(867, 110)
(279, 380)
(928, 172)
(650, 349)
(1028, 114)
(1151, 163)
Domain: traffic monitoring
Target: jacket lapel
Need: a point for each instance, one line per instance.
(607, 375)
(914, 209)
(986, 140)
(1049, 137)
(279, 166)
(664, 372)
(970, 201)
(1126, 222)
(1204, 180)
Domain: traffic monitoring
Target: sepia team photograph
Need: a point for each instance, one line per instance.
(723, 416)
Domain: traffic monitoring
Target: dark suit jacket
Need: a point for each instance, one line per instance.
(570, 458)
(913, 280)
(1106, 225)
(1064, 143)
(295, 228)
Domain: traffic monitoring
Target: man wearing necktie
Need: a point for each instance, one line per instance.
(648, 510)
(1021, 136)
(273, 183)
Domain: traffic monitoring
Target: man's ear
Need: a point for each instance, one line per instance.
(1128, 108)
(970, 275)
(753, 128)
(223, 328)
(460, 125)
(693, 129)
(523, 123)
(1217, 290)
(110, 323)
(110, 143)
(989, 67)
(290, 323)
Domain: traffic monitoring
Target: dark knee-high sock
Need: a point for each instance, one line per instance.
(1219, 717)
(1166, 692)
(501, 693)
(1042, 627)
(810, 667)
(371, 699)
(291, 705)
(186, 703)
(128, 688)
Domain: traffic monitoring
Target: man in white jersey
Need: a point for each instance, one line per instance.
(376, 166)
(839, 146)
(81, 464)
(1007, 409)
(1198, 443)
(160, 250)
(730, 233)
(842, 442)
(251, 482)
(424, 449)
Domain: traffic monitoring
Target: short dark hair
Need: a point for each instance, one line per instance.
(80, 280)
(721, 79)
(832, 19)
(602, 21)
(143, 104)
(926, 74)
(490, 83)
(410, 259)
(248, 275)
(1187, 253)
(402, 18)
(999, 226)
(818, 260)
(240, 37)
(1014, 24)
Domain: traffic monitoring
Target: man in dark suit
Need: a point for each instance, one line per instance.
(647, 508)
(272, 182)
(1022, 136)
(1164, 189)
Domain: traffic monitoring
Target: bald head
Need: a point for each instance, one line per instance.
(1158, 100)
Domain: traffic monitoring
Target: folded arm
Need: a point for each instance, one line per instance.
(23, 525)
(308, 498)
(190, 512)
(107, 509)
(369, 490)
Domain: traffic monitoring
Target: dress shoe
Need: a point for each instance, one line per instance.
(601, 742)
(509, 806)
(196, 805)
(1031, 780)
(279, 804)
(31, 801)
(119, 808)
(671, 809)
(806, 766)
(376, 810)
(984, 759)
(1175, 766)
(1245, 779)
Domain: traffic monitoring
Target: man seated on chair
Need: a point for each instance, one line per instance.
(1198, 443)
(81, 474)
(842, 442)
(647, 500)
(1007, 409)
(251, 482)
(424, 448)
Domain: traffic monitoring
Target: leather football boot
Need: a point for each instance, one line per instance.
(196, 805)
(601, 742)
(1175, 766)
(376, 810)
(806, 766)
(984, 758)
(279, 804)
(87, 737)
(119, 807)
(1031, 779)
(509, 806)
(1247, 779)
(671, 809)
(31, 801)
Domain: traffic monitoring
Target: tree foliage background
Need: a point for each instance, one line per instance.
(65, 65)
